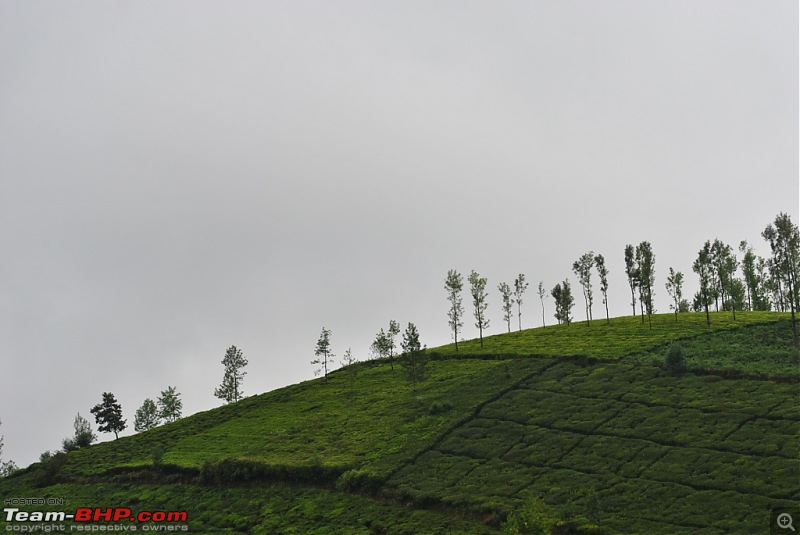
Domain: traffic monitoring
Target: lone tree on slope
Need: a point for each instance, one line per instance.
(231, 388)
(323, 353)
(108, 415)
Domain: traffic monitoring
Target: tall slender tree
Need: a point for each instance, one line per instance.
(732, 285)
(645, 267)
(702, 266)
(602, 272)
(774, 285)
(583, 270)
(394, 330)
(384, 343)
(724, 265)
(542, 296)
(413, 358)
(454, 283)
(675, 289)
(351, 372)
(519, 288)
(505, 294)
(784, 240)
(753, 278)
(231, 388)
(632, 273)
(380, 346)
(478, 291)
(323, 353)
(763, 280)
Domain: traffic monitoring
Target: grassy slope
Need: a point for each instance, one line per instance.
(482, 434)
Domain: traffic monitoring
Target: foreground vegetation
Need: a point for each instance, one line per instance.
(575, 425)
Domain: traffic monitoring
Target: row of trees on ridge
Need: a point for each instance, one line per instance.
(766, 283)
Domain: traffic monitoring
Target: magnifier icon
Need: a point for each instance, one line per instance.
(785, 521)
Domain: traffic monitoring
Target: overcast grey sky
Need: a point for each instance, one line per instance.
(178, 177)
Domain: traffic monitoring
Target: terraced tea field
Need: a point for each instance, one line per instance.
(630, 447)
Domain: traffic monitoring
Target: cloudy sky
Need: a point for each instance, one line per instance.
(177, 177)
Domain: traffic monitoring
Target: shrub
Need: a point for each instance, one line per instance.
(534, 518)
(439, 407)
(48, 473)
(675, 360)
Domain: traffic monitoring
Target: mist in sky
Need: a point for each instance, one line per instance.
(179, 177)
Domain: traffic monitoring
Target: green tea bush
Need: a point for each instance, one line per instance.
(675, 360)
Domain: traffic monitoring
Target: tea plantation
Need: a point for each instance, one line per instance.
(564, 429)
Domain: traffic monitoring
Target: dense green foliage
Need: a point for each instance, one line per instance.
(573, 428)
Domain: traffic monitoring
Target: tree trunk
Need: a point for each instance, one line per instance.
(792, 283)
(586, 304)
(633, 301)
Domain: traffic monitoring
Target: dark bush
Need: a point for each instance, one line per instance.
(439, 407)
(48, 473)
(675, 359)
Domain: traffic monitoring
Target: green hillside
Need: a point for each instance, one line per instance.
(578, 429)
